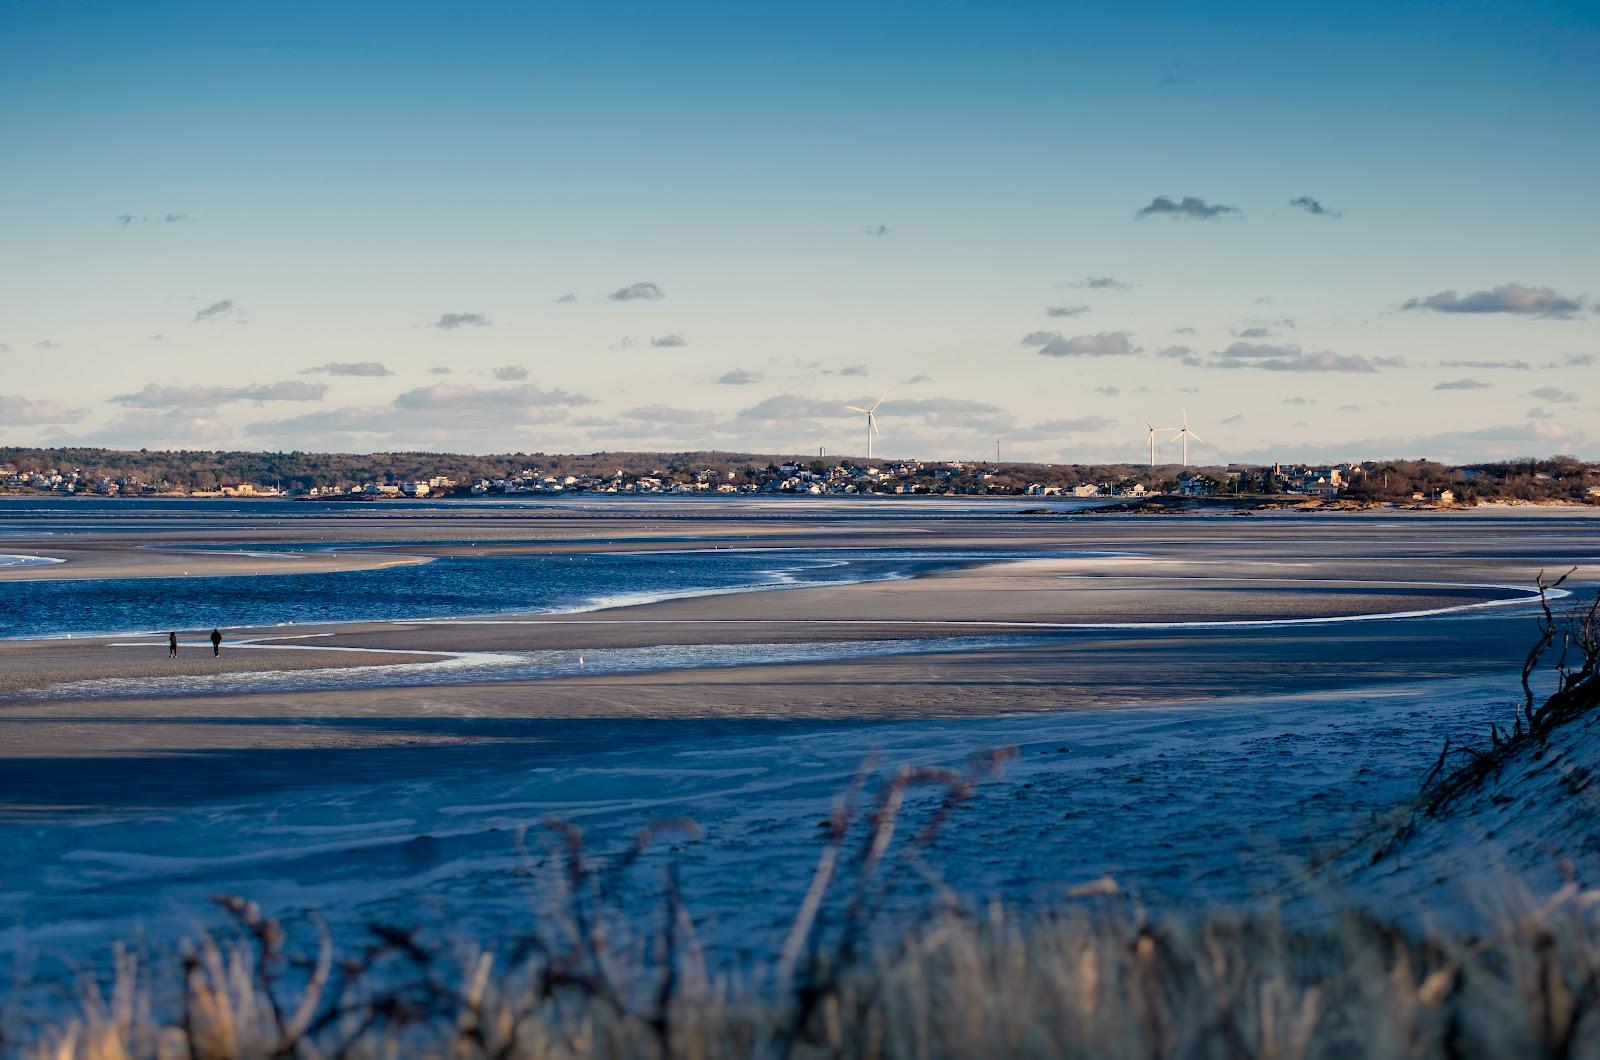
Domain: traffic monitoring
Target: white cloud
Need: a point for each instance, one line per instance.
(16, 411)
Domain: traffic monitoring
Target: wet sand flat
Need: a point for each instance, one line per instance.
(1038, 594)
(45, 663)
(1156, 578)
(80, 562)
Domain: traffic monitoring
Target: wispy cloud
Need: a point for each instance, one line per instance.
(1187, 208)
(1514, 298)
(796, 407)
(444, 396)
(222, 308)
(916, 379)
(430, 416)
(1108, 390)
(156, 396)
(173, 428)
(1577, 360)
(665, 341)
(1286, 358)
(1060, 428)
(877, 230)
(570, 296)
(366, 369)
(669, 414)
(1065, 310)
(1462, 384)
(1102, 283)
(452, 321)
(1103, 344)
(739, 377)
(126, 219)
(439, 370)
(46, 344)
(1313, 207)
(510, 373)
(1518, 366)
(1182, 354)
(1554, 394)
(1172, 77)
(1540, 414)
(851, 369)
(951, 413)
(637, 292)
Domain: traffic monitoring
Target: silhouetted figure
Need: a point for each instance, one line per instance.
(172, 645)
(216, 642)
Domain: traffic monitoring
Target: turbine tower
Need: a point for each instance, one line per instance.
(1185, 433)
(872, 422)
(1154, 430)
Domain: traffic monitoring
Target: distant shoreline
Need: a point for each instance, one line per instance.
(1166, 504)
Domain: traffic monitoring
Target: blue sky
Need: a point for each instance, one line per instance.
(277, 226)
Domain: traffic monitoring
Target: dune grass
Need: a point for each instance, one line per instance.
(1098, 980)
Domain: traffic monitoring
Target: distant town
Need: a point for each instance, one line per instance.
(410, 476)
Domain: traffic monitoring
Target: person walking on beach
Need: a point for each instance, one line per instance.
(172, 645)
(216, 642)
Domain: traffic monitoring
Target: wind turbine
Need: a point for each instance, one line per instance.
(872, 422)
(1185, 433)
(1154, 430)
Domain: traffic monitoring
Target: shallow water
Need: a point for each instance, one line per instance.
(443, 587)
(26, 561)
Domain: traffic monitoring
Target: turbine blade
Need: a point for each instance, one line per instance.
(1197, 438)
(854, 408)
